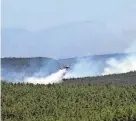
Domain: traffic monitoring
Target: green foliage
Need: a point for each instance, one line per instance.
(68, 102)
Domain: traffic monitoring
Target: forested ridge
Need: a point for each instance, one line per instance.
(121, 78)
(68, 102)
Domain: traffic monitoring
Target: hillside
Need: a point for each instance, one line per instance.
(19, 68)
(96, 58)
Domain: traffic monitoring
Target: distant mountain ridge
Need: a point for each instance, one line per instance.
(65, 61)
(62, 41)
(102, 57)
(97, 55)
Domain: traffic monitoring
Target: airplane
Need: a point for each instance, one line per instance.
(66, 67)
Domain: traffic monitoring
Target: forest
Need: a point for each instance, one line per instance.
(121, 78)
(70, 101)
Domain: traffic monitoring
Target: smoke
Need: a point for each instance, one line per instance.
(83, 68)
(125, 65)
(49, 72)
(17, 70)
(120, 66)
(87, 67)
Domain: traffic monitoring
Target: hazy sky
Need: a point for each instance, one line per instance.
(40, 14)
(36, 15)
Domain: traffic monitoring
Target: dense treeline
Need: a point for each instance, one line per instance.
(68, 102)
(122, 78)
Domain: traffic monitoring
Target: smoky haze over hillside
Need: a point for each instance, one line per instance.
(16, 69)
(47, 70)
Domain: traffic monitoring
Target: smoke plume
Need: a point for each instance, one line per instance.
(84, 67)
(120, 66)
(125, 65)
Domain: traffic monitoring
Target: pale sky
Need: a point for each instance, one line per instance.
(40, 15)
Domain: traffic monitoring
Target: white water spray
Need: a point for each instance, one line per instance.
(53, 78)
